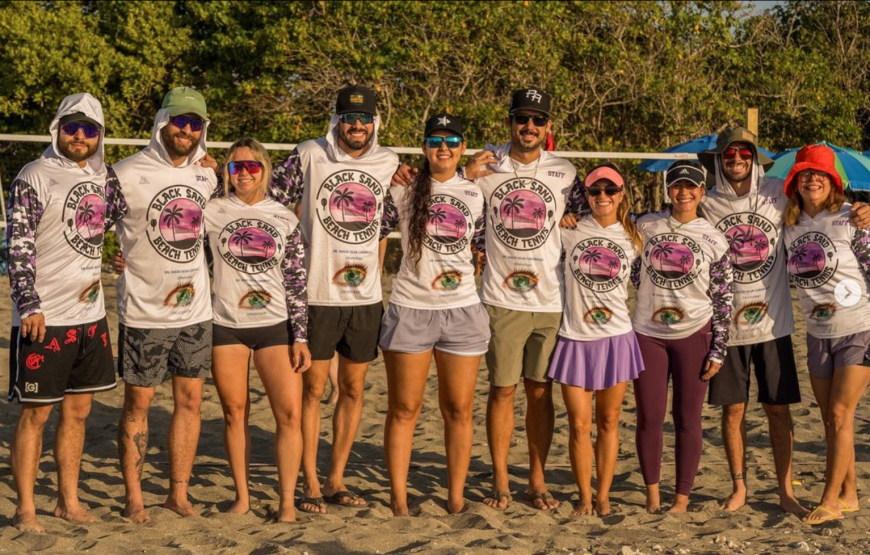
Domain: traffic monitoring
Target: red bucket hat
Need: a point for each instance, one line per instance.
(813, 157)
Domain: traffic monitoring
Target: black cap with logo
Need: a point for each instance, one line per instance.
(688, 171)
(444, 122)
(76, 117)
(532, 98)
(356, 98)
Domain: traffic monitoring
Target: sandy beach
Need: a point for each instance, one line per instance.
(760, 527)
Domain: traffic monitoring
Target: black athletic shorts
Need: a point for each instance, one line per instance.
(71, 359)
(775, 374)
(353, 331)
(253, 338)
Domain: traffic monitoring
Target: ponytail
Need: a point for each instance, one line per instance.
(417, 208)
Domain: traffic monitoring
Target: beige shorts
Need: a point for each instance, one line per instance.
(521, 345)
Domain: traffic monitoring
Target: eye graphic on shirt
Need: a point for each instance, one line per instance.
(598, 315)
(91, 293)
(253, 300)
(521, 281)
(351, 276)
(751, 314)
(668, 315)
(447, 281)
(823, 312)
(180, 296)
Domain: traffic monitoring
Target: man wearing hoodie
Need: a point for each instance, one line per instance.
(342, 184)
(164, 306)
(59, 207)
(748, 208)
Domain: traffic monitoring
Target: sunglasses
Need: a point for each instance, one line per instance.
(731, 153)
(90, 131)
(353, 117)
(453, 141)
(609, 190)
(808, 175)
(252, 166)
(183, 121)
(522, 119)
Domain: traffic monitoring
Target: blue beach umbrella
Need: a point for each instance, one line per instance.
(694, 146)
(852, 166)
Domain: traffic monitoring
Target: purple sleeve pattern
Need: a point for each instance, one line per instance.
(295, 285)
(287, 181)
(390, 216)
(576, 203)
(861, 249)
(478, 240)
(635, 273)
(722, 296)
(116, 203)
(23, 213)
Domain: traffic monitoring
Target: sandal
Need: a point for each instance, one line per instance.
(815, 517)
(544, 497)
(846, 508)
(316, 501)
(498, 496)
(344, 498)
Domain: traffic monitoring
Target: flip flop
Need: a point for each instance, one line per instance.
(316, 501)
(544, 497)
(338, 497)
(498, 496)
(814, 517)
(846, 508)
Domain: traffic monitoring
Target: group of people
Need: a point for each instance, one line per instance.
(296, 256)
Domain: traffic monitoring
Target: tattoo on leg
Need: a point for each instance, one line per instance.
(129, 416)
(141, 441)
(177, 481)
(738, 476)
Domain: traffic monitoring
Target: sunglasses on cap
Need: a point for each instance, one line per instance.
(253, 167)
(352, 117)
(90, 131)
(183, 121)
(731, 153)
(522, 119)
(610, 190)
(452, 141)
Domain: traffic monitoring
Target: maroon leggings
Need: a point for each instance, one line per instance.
(681, 360)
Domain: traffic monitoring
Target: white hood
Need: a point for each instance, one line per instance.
(725, 188)
(90, 107)
(157, 150)
(337, 154)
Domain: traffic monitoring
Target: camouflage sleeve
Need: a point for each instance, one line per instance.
(23, 213)
(295, 286)
(218, 190)
(478, 240)
(720, 293)
(287, 181)
(635, 273)
(390, 216)
(576, 203)
(116, 204)
(861, 248)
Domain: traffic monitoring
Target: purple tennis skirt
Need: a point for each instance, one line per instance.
(596, 364)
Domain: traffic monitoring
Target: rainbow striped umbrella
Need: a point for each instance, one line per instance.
(852, 166)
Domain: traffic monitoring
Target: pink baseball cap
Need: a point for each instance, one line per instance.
(604, 172)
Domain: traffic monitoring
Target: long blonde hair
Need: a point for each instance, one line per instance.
(795, 206)
(261, 155)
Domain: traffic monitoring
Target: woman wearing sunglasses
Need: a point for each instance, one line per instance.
(434, 310)
(597, 349)
(829, 261)
(260, 305)
(682, 320)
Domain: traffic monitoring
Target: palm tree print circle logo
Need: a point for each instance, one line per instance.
(748, 247)
(446, 224)
(250, 246)
(180, 223)
(523, 213)
(84, 214)
(670, 262)
(807, 261)
(352, 206)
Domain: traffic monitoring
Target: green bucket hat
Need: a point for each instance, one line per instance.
(727, 137)
(184, 100)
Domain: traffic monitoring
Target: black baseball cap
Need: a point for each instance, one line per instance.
(688, 171)
(356, 98)
(444, 122)
(76, 117)
(532, 98)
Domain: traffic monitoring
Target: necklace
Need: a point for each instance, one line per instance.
(671, 226)
(734, 210)
(534, 175)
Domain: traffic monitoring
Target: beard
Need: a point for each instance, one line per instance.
(354, 144)
(736, 175)
(77, 155)
(173, 148)
(522, 146)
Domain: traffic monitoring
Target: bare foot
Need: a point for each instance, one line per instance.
(136, 513)
(791, 505)
(28, 523)
(286, 512)
(583, 507)
(75, 514)
(602, 506)
(498, 500)
(653, 499)
(399, 509)
(681, 504)
(736, 500)
(542, 501)
(239, 507)
(183, 508)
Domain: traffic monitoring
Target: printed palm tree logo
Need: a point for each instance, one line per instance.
(172, 218)
(590, 256)
(352, 206)
(84, 215)
(89, 218)
(761, 246)
(538, 213)
(602, 264)
(612, 265)
(367, 207)
(747, 246)
(683, 261)
(662, 250)
(180, 223)
(260, 242)
(807, 261)
(437, 215)
(241, 239)
(267, 244)
(196, 220)
(674, 259)
(343, 199)
(523, 213)
(512, 207)
(458, 225)
(445, 223)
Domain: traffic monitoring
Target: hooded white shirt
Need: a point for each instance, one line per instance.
(342, 204)
(57, 217)
(524, 204)
(165, 283)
